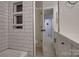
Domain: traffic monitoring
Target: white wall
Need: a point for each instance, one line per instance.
(3, 25)
(38, 17)
(49, 4)
(69, 21)
(38, 22)
(22, 39)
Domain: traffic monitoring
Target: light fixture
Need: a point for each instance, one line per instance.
(71, 4)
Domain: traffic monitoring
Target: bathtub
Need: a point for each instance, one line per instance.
(13, 53)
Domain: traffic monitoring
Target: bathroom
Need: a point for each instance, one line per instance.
(39, 28)
(22, 28)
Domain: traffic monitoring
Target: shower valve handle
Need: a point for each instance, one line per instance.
(43, 30)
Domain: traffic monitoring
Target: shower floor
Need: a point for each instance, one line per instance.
(39, 52)
(13, 53)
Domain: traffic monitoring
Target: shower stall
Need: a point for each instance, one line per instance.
(16, 28)
(22, 28)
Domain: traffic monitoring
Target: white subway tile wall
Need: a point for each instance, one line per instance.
(3, 25)
(22, 39)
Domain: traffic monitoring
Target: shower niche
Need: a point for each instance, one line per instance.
(18, 15)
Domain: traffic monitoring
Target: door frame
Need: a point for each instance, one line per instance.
(34, 35)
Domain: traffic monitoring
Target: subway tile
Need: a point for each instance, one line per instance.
(22, 39)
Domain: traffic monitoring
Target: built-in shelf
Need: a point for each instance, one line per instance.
(18, 7)
(18, 15)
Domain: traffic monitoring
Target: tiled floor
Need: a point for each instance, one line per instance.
(17, 53)
(13, 53)
(39, 52)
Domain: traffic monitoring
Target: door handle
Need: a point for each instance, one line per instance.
(43, 30)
